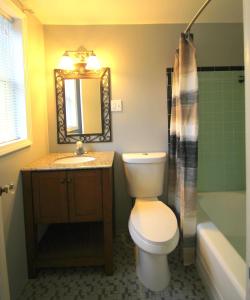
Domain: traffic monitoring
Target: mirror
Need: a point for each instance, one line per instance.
(83, 106)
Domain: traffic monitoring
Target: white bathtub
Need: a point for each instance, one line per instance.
(221, 218)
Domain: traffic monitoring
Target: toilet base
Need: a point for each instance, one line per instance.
(152, 270)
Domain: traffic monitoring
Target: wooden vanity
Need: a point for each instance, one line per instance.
(75, 202)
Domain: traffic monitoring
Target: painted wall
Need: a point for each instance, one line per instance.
(246, 5)
(138, 56)
(11, 164)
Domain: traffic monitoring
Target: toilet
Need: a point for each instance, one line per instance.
(152, 224)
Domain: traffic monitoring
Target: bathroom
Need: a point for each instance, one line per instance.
(137, 42)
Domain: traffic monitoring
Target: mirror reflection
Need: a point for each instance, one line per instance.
(83, 106)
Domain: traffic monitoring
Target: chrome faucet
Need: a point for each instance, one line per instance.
(79, 148)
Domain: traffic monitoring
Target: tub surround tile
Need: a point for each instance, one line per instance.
(102, 160)
(221, 165)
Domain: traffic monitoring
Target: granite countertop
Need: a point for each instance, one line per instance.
(102, 160)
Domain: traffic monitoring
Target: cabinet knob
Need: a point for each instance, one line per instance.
(62, 181)
(69, 180)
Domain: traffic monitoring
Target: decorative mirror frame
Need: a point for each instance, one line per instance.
(62, 137)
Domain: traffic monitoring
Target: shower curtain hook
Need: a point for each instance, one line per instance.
(188, 35)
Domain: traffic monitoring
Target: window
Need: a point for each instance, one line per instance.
(13, 116)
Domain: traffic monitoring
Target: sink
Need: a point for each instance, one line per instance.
(73, 160)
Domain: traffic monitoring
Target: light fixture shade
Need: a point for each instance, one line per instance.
(66, 62)
(93, 63)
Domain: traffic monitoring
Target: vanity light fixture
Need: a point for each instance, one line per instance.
(66, 62)
(81, 59)
(93, 62)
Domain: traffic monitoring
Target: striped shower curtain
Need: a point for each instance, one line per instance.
(183, 145)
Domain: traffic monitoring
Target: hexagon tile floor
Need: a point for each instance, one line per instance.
(93, 284)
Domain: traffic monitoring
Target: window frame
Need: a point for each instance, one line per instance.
(8, 7)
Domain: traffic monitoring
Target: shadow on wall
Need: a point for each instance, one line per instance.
(164, 196)
(122, 201)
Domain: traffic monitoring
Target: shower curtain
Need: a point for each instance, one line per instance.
(183, 144)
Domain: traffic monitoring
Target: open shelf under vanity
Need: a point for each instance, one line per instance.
(68, 245)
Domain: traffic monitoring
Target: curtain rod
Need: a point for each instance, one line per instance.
(196, 16)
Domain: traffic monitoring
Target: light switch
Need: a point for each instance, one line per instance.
(116, 105)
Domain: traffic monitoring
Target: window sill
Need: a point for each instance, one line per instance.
(14, 146)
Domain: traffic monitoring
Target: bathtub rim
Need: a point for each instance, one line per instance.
(235, 275)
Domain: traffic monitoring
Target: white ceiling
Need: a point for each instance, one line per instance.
(91, 12)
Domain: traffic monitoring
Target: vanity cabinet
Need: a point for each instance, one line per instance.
(76, 206)
(72, 196)
(49, 193)
(85, 196)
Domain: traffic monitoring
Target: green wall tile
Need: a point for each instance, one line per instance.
(221, 161)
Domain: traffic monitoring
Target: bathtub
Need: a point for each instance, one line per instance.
(221, 244)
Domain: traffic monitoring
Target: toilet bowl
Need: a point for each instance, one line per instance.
(152, 224)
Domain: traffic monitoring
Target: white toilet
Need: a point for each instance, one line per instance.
(152, 224)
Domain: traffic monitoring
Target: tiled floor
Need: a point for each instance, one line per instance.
(93, 284)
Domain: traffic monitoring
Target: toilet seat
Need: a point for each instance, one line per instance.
(153, 226)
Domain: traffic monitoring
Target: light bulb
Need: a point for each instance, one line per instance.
(66, 63)
(93, 63)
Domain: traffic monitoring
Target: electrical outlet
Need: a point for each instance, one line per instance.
(116, 105)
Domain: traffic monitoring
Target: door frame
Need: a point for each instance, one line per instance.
(4, 280)
(246, 23)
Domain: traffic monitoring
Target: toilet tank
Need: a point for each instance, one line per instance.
(144, 173)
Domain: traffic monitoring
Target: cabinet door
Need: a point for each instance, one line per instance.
(85, 195)
(50, 197)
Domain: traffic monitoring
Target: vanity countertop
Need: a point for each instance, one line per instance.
(102, 160)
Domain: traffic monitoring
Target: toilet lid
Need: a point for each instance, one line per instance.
(153, 220)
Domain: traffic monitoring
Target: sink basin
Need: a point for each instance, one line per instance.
(73, 160)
